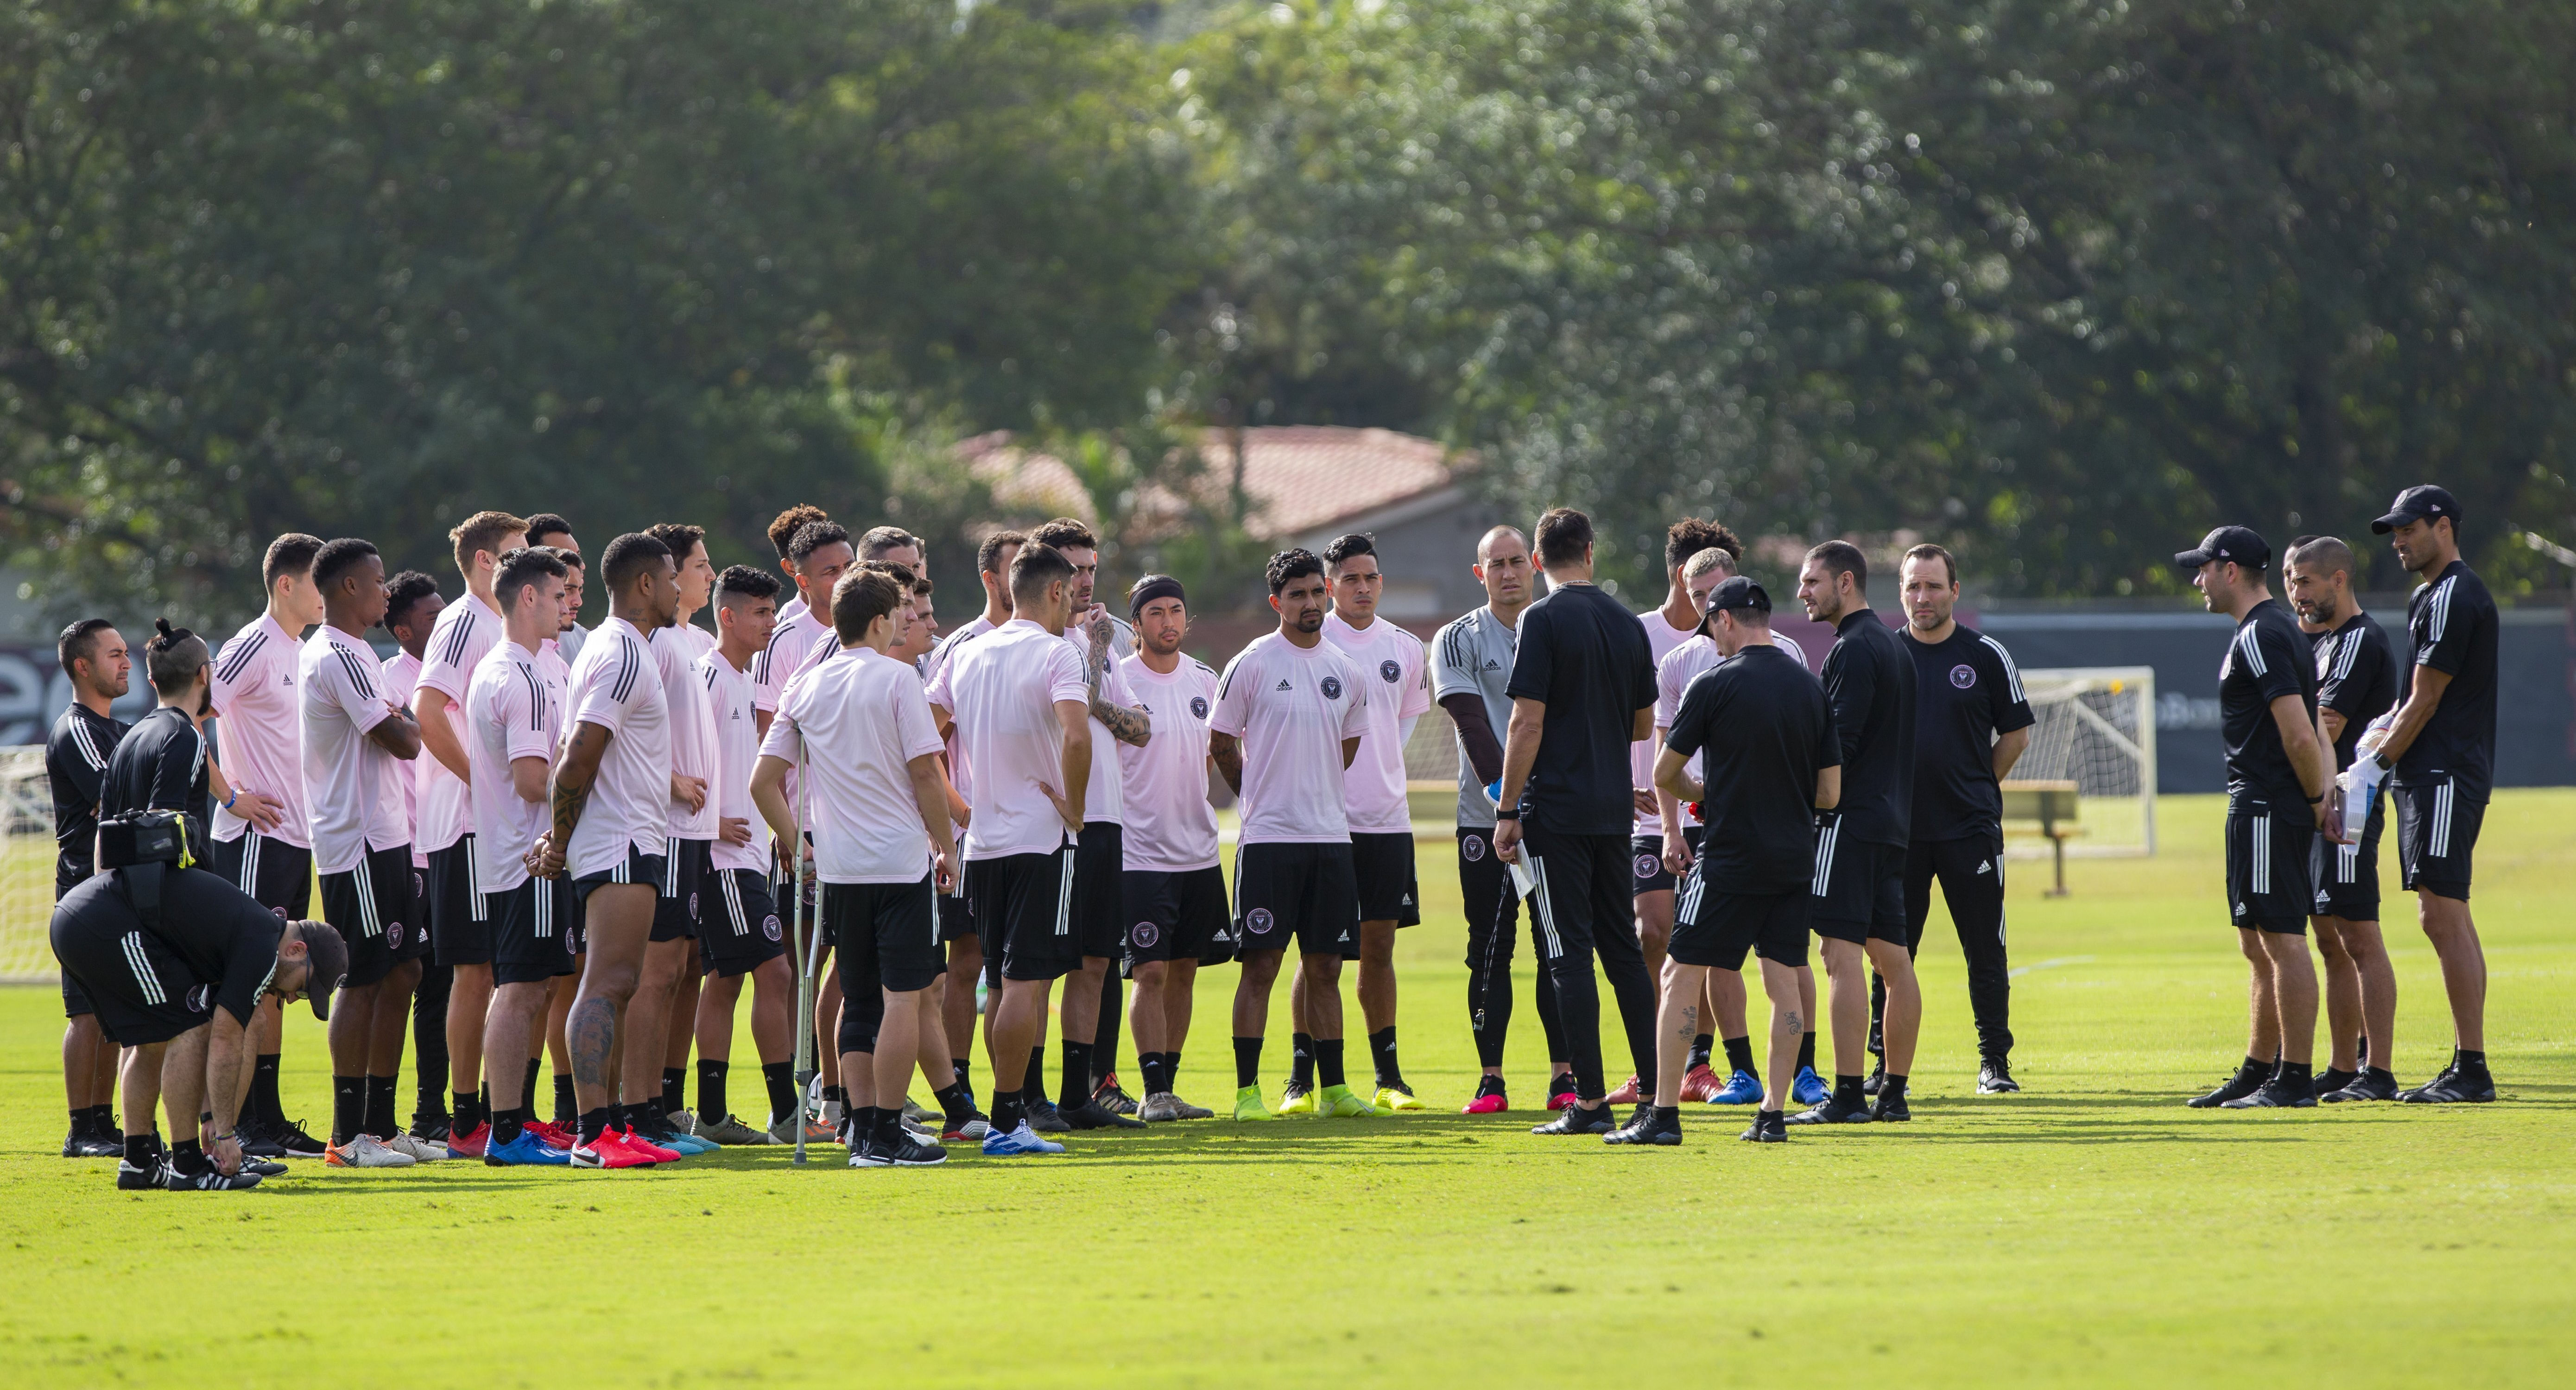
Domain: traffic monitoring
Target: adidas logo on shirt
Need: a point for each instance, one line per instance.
(1283, 685)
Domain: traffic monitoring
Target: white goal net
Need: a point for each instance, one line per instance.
(2096, 728)
(26, 868)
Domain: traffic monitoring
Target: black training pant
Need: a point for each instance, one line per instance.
(1493, 922)
(1972, 883)
(1582, 905)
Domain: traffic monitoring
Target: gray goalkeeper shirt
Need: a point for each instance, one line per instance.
(1474, 653)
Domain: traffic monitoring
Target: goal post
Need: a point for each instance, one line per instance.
(2095, 726)
(26, 869)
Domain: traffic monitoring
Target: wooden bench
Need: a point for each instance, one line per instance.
(2053, 806)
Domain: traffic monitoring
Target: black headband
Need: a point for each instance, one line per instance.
(1150, 588)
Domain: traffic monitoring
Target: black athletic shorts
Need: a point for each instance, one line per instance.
(636, 867)
(2436, 834)
(1716, 929)
(141, 991)
(2267, 866)
(75, 1003)
(675, 900)
(1648, 853)
(1305, 891)
(277, 875)
(1173, 915)
(957, 913)
(1024, 904)
(742, 930)
(1383, 865)
(460, 920)
(888, 940)
(1099, 892)
(536, 931)
(1859, 889)
(375, 907)
(2346, 877)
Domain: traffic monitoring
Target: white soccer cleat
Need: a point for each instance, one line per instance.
(420, 1150)
(365, 1151)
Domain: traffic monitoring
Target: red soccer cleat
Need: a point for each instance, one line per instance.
(1627, 1094)
(1560, 1091)
(1491, 1103)
(1702, 1084)
(648, 1148)
(610, 1150)
(468, 1143)
(552, 1135)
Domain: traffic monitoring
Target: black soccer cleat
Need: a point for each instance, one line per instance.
(1113, 1097)
(1890, 1108)
(1995, 1078)
(2455, 1087)
(1877, 1078)
(2245, 1082)
(2329, 1081)
(1834, 1110)
(208, 1181)
(1574, 1119)
(1768, 1127)
(430, 1127)
(2370, 1085)
(2275, 1094)
(1043, 1118)
(1645, 1128)
(280, 1139)
(82, 1143)
(1091, 1114)
(144, 1179)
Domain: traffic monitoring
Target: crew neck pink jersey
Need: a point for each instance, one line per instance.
(1661, 639)
(1291, 707)
(1103, 798)
(259, 728)
(856, 722)
(790, 643)
(676, 650)
(935, 687)
(1005, 687)
(351, 783)
(402, 677)
(511, 712)
(1170, 825)
(1391, 663)
(615, 686)
(737, 724)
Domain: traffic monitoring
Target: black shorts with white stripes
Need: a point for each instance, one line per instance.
(885, 940)
(740, 930)
(2437, 833)
(2267, 866)
(678, 901)
(2346, 877)
(1024, 904)
(375, 907)
(1859, 888)
(636, 867)
(277, 875)
(536, 931)
(460, 918)
(140, 989)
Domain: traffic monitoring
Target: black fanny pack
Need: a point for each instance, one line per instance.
(141, 847)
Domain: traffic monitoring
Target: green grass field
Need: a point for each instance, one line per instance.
(2089, 1231)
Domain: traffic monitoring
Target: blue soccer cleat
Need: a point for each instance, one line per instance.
(1022, 1142)
(1809, 1088)
(527, 1148)
(1743, 1088)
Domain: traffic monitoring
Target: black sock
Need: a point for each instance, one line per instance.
(1301, 1062)
(187, 1158)
(674, 1081)
(1171, 1068)
(1891, 1085)
(1328, 1062)
(780, 1078)
(1489, 1086)
(505, 1129)
(2255, 1066)
(380, 1106)
(263, 1104)
(138, 1150)
(1382, 1057)
(711, 1089)
(100, 1121)
(1009, 1113)
(1247, 1062)
(863, 1123)
(836, 1094)
(1702, 1046)
(2381, 1074)
(956, 1103)
(2296, 1074)
(2471, 1061)
(1033, 1085)
(1739, 1055)
(958, 1065)
(1077, 1075)
(1807, 1053)
(1847, 1090)
(567, 1109)
(1668, 1117)
(1150, 1064)
(348, 1107)
(464, 1111)
(592, 1124)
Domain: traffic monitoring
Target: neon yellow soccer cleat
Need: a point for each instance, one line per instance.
(1248, 1106)
(1337, 1102)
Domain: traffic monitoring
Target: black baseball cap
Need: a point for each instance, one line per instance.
(2237, 545)
(2421, 502)
(327, 957)
(1739, 592)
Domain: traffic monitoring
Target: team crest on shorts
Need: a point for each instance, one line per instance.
(1332, 687)
(1259, 921)
(201, 999)
(1145, 935)
(693, 907)
(1198, 707)
(281, 914)
(419, 884)
(1647, 864)
(1391, 670)
(1963, 675)
(393, 935)
(1473, 847)
(769, 926)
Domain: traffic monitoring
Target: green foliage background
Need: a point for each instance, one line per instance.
(2057, 282)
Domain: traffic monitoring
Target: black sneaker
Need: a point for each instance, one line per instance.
(132, 1179)
(2245, 1082)
(1995, 1078)
(257, 1142)
(1643, 1128)
(1091, 1114)
(2330, 1081)
(1768, 1127)
(1890, 1108)
(2454, 1087)
(2275, 1094)
(1113, 1097)
(82, 1142)
(905, 1151)
(1834, 1111)
(2372, 1084)
(207, 1181)
(290, 1140)
(1877, 1078)
(430, 1127)
(1574, 1119)
(1044, 1120)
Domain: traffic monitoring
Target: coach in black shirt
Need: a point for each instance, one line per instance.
(2442, 745)
(76, 754)
(1582, 690)
(2277, 773)
(1772, 759)
(161, 763)
(1859, 880)
(2356, 683)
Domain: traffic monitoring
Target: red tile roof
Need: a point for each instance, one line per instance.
(1300, 478)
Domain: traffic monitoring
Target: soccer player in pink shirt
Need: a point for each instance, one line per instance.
(1289, 717)
(861, 733)
(1170, 885)
(612, 793)
(670, 1003)
(412, 606)
(957, 912)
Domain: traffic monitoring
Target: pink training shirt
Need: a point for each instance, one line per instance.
(1170, 826)
(466, 631)
(402, 676)
(351, 783)
(1391, 663)
(1291, 707)
(1661, 639)
(857, 722)
(1005, 687)
(729, 695)
(790, 643)
(676, 650)
(258, 733)
(511, 712)
(615, 687)
(1102, 798)
(935, 686)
